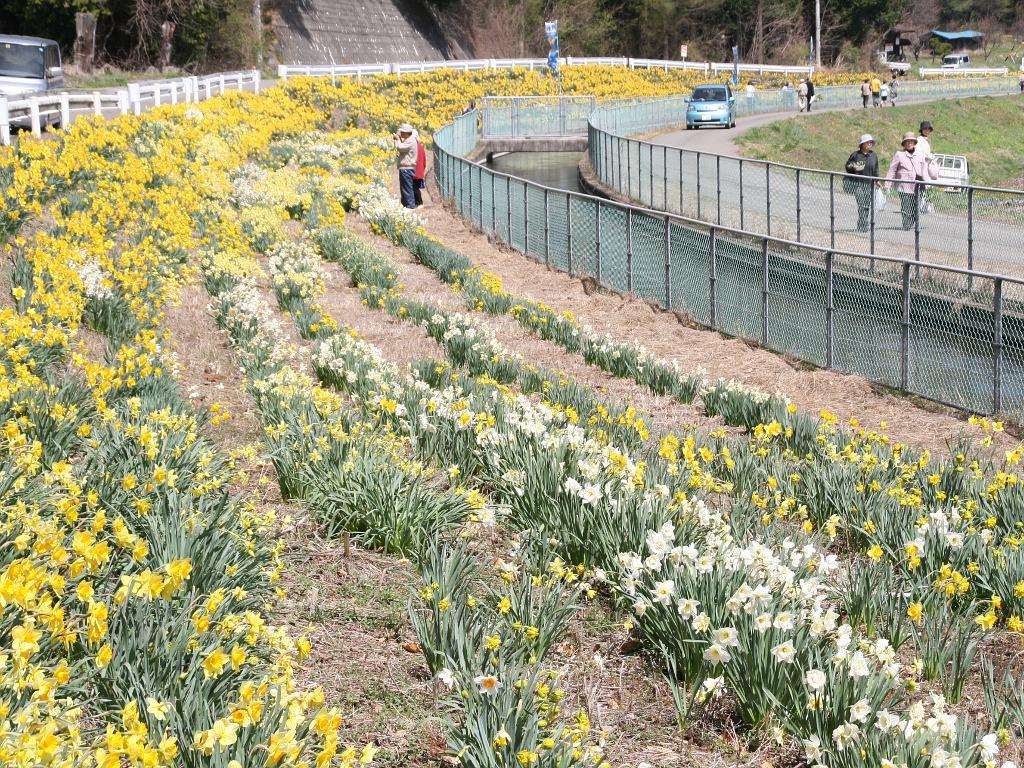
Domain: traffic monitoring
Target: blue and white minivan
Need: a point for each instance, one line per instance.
(29, 65)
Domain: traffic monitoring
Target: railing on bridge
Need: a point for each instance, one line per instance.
(952, 335)
(36, 111)
(524, 117)
(973, 227)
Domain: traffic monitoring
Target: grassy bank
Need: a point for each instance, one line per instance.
(989, 131)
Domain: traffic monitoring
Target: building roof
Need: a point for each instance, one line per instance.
(968, 34)
(21, 40)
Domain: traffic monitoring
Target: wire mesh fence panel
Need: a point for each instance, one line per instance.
(517, 214)
(536, 230)
(648, 256)
(690, 272)
(737, 288)
(615, 245)
(584, 235)
(1011, 388)
(950, 342)
(866, 325)
(784, 203)
(796, 298)
(994, 240)
(559, 205)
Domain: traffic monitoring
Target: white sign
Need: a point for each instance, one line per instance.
(683, 50)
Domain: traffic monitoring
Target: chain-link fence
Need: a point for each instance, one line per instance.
(949, 334)
(937, 222)
(535, 116)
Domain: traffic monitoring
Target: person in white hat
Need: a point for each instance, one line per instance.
(407, 145)
(863, 162)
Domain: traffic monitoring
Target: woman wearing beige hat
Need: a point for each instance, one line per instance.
(406, 142)
(906, 170)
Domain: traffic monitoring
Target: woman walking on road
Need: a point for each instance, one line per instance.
(906, 170)
(863, 162)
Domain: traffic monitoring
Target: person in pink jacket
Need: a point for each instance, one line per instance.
(906, 171)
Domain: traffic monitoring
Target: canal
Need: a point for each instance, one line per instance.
(552, 169)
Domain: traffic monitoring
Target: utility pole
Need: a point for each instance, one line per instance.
(257, 19)
(817, 34)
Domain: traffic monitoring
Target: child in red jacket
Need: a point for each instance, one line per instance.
(419, 176)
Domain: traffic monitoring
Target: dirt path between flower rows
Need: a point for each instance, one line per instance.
(421, 283)
(631, 319)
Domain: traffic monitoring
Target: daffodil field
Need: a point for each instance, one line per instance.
(850, 601)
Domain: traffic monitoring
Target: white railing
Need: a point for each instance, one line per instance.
(284, 71)
(962, 72)
(35, 111)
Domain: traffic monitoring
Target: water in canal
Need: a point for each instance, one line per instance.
(552, 169)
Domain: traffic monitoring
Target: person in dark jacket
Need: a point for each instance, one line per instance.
(810, 93)
(863, 162)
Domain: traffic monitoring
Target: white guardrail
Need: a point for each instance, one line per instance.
(284, 71)
(962, 72)
(35, 111)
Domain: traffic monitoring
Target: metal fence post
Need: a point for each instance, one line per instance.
(798, 208)
(494, 209)
(526, 218)
(650, 170)
(768, 194)
(741, 194)
(713, 275)
(718, 187)
(764, 291)
(597, 243)
(832, 209)
(629, 250)
(698, 185)
(905, 330)
(970, 236)
(668, 263)
(629, 169)
(508, 208)
(997, 346)
(917, 225)
(471, 217)
(568, 232)
(664, 177)
(679, 152)
(618, 163)
(872, 223)
(829, 312)
(547, 228)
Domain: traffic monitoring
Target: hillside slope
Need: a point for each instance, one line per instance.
(357, 32)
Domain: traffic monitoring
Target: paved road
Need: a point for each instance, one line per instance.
(745, 197)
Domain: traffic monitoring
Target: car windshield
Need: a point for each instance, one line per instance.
(951, 60)
(22, 60)
(709, 94)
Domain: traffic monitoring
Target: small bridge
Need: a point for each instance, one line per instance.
(533, 124)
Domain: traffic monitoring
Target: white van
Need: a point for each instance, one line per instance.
(29, 65)
(956, 61)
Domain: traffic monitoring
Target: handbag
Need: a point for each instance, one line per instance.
(880, 200)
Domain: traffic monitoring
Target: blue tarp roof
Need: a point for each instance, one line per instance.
(966, 35)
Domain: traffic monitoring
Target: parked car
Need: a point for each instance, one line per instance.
(29, 65)
(711, 105)
(956, 61)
